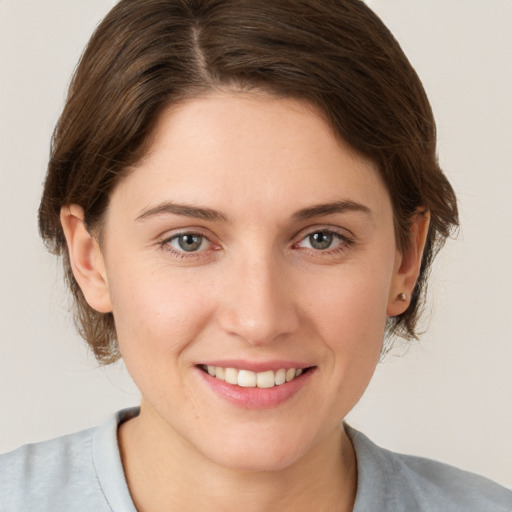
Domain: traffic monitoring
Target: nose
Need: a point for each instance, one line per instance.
(258, 304)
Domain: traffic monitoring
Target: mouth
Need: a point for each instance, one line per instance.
(249, 379)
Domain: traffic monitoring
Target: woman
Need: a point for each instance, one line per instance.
(246, 197)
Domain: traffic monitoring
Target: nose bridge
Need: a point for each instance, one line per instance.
(258, 304)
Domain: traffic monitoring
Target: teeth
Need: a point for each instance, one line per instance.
(231, 376)
(248, 379)
(266, 379)
(280, 377)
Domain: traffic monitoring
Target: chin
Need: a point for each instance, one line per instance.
(258, 453)
(258, 460)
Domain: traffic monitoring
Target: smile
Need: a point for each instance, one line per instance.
(249, 379)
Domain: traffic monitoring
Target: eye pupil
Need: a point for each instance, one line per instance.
(320, 240)
(190, 243)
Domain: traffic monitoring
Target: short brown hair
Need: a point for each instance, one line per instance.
(336, 55)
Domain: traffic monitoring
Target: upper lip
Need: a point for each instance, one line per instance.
(256, 366)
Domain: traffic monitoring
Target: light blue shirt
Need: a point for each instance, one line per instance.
(83, 472)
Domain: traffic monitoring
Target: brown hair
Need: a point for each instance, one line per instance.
(334, 54)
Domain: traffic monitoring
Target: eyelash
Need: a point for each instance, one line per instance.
(182, 254)
(344, 243)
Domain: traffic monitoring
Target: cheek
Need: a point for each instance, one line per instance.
(157, 321)
(351, 303)
(351, 319)
(158, 311)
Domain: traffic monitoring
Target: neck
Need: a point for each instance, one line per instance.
(165, 473)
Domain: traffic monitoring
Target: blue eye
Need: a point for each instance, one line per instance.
(188, 242)
(322, 240)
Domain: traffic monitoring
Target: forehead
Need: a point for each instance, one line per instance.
(226, 150)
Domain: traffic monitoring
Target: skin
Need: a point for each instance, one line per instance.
(255, 290)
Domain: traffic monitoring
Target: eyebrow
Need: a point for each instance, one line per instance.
(185, 210)
(331, 208)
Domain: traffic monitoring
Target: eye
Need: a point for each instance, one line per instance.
(188, 242)
(322, 240)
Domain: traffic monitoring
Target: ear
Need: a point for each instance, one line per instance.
(86, 259)
(407, 265)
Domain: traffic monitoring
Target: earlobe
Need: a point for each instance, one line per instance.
(407, 265)
(86, 259)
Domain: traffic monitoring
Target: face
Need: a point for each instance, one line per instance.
(250, 262)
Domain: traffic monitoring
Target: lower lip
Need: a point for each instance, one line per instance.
(256, 398)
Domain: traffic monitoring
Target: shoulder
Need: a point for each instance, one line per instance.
(405, 483)
(39, 476)
(66, 473)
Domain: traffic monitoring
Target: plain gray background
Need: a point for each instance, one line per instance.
(449, 397)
